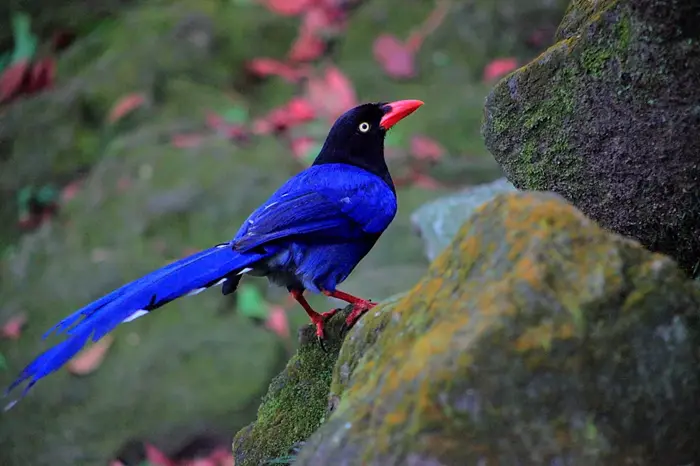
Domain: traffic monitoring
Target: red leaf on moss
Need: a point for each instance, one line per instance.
(300, 146)
(215, 121)
(221, 126)
(425, 148)
(301, 109)
(295, 112)
(331, 94)
(42, 76)
(125, 105)
(309, 44)
(264, 67)
(70, 190)
(499, 68)
(306, 47)
(12, 329)
(223, 456)
(424, 181)
(12, 80)
(287, 7)
(157, 457)
(261, 126)
(277, 322)
(395, 57)
(90, 358)
(186, 141)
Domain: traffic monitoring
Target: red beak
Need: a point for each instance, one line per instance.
(397, 111)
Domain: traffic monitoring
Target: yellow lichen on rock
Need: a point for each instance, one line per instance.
(536, 337)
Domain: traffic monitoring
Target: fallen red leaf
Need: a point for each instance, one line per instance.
(306, 47)
(300, 147)
(294, 113)
(186, 141)
(12, 80)
(70, 190)
(12, 329)
(221, 126)
(424, 181)
(397, 60)
(41, 76)
(264, 67)
(300, 109)
(261, 126)
(287, 7)
(90, 358)
(278, 322)
(222, 456)
(309, 44)
(215, 121)
(499, 68)
(157, 457)
(425, 148)
(331, 94)
(125, 105)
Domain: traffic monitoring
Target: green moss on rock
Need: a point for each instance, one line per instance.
(607, 118)
(537, 337)
(297, 400)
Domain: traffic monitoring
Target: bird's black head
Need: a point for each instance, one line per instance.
(357, 136)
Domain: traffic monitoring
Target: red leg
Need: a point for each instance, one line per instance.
(359, 305)
(317, 319)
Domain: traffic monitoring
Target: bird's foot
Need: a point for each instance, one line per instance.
(359, 308)
(319, 321)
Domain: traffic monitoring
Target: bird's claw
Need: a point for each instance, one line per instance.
(321, 344)
(320, 333)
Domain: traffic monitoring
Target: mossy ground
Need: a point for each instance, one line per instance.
(605, 117)
(537, 337)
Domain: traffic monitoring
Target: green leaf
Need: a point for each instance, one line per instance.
(25, 41)
(24, 196)
(236, 114)
(3, 362)
(46, 194)
(5, 60)
(251, 303)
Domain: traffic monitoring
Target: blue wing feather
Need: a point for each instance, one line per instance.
(333, 202)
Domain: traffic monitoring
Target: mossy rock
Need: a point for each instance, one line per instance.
(297, 400)
(608, 117)
(536, 337)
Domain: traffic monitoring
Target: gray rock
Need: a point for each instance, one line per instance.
(608, 118)
(437, 222)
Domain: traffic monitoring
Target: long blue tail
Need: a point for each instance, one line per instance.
(191, 275)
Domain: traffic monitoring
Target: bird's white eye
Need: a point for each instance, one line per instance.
(364, 127)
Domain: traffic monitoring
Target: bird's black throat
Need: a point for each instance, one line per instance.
(374, 164)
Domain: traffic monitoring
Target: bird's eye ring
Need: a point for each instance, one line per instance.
(364, 127)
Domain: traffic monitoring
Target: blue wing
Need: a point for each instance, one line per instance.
(325, 203)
